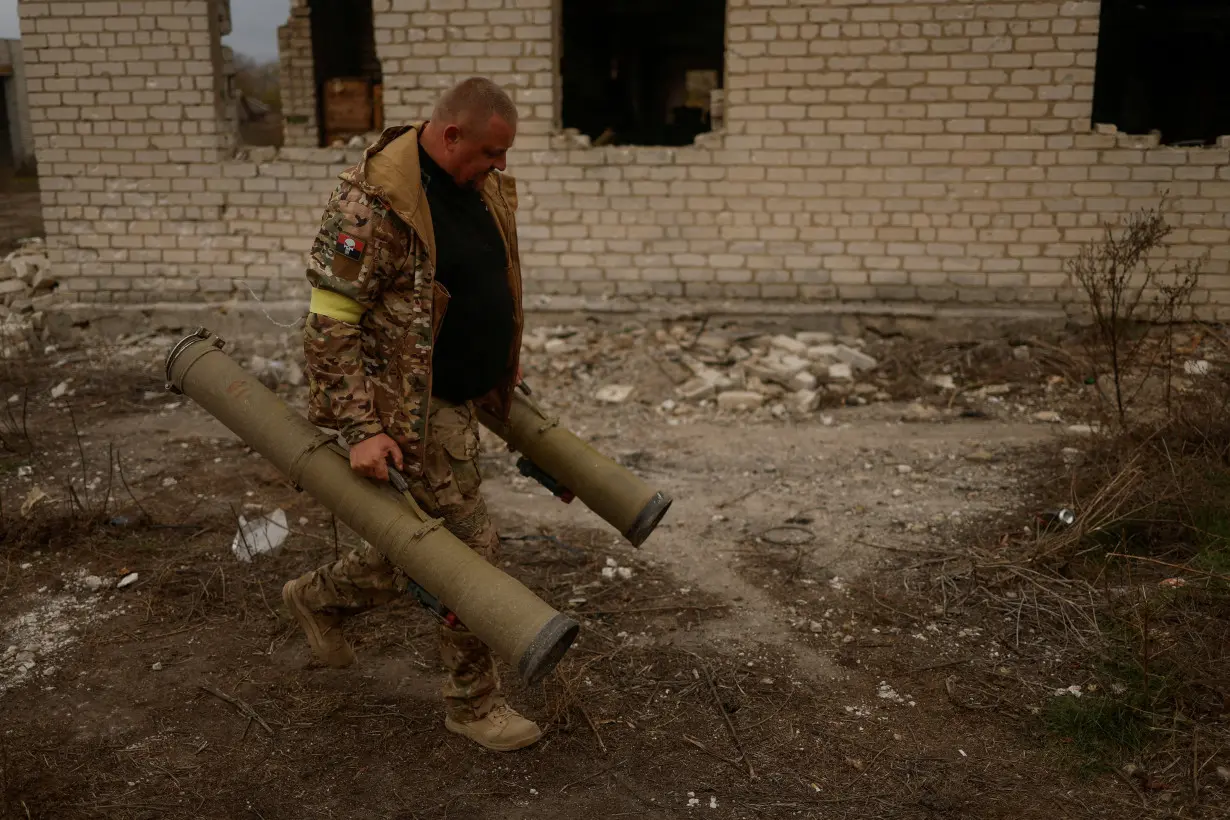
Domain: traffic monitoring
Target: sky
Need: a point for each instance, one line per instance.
(8, 20)
(254, 25)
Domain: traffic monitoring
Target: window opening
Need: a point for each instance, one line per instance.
(348, 79)
(253, 90)
(1162, 66)
(641, 72)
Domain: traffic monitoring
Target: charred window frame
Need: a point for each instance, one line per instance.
(1163, 65)
(641, 72)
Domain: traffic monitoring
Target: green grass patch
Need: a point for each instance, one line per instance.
(1211, 522)
(1102, 731)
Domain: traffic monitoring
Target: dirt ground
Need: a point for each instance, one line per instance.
(764, 658)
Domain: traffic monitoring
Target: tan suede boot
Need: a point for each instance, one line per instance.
(474, 706)
(492, 724)
(324, 632)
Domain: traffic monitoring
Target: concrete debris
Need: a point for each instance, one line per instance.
(790, 365)
(886, 692)
(943, 381)
(713, 343)
(855, 358)
(32, 639)
(128, 580)
(614, 393)
(806, 401)
(26, 289)
(740, 400)
(840, 373)
(696, 390)
(614, 570)
(803, 381)
(780, 375)
(822, 352)
(788, 344)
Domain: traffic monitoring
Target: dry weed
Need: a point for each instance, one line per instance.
(1131, 299)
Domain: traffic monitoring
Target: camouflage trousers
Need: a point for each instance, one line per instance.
(364, 579)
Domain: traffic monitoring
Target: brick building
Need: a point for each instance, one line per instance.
(912, 152)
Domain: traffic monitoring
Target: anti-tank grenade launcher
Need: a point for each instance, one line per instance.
(571, 468)
(448, 577)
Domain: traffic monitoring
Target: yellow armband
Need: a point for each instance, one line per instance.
(335, 306)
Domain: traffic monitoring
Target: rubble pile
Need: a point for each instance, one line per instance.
(731, 372)
(26, 290)
(797, 370)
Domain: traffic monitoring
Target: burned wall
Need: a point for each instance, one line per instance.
(902, 151)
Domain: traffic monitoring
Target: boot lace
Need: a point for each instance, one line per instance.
(501, 714)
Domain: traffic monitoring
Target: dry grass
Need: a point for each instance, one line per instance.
(1120, 621)
(1131, 602)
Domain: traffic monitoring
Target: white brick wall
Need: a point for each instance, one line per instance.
(296, 77)
(930, 150)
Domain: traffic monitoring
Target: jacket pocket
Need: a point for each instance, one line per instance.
(439, 304)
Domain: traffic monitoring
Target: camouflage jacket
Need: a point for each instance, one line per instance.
(376, 308)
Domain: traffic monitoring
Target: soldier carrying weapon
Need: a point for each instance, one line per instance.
(414, 326)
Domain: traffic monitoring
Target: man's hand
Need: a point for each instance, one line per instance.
(368, 457)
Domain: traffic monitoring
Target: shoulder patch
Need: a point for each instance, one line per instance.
(349, 246)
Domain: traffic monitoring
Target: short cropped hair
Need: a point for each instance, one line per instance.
(475, 100)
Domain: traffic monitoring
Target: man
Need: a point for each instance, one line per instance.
(415, 321)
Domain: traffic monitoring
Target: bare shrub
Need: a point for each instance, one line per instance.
(1131, 299)
(1132, 597)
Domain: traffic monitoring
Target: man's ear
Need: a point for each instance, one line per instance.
(452, 135)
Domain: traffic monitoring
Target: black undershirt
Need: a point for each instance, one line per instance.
(471, 352)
